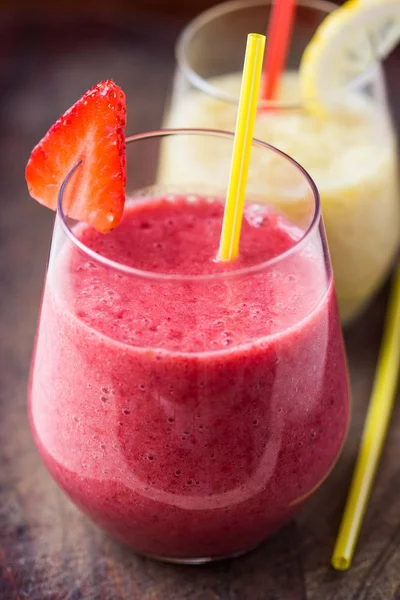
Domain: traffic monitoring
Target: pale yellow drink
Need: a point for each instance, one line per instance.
(350, 153)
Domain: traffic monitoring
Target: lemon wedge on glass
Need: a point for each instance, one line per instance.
(348, 43)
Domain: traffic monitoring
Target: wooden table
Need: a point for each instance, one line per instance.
(48, 551)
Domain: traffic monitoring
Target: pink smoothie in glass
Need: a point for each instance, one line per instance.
(189, 416)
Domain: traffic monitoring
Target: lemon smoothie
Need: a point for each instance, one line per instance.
(347, 146)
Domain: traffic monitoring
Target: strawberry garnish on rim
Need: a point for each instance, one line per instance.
(92, 132)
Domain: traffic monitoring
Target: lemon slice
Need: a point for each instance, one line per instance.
(349, 41)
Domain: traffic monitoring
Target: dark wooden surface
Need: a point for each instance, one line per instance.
(48, 551)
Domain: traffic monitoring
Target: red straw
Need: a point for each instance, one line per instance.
(278, 38)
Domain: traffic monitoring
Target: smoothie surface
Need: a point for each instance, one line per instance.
(180, 237)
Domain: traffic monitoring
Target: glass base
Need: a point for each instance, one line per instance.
(202, 560)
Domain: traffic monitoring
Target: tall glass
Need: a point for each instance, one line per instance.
(350, 151)
(189, 409)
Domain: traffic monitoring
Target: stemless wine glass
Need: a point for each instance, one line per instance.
(349, 150)
(190, 415)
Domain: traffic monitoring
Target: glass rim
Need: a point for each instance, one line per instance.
(163, 277)
(206, 16)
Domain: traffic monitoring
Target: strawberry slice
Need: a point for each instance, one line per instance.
(91, 131)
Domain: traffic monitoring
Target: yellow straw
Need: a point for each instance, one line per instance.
(379, 411)
(232, 223)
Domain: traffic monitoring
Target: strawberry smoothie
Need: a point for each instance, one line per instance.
(189, 406)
